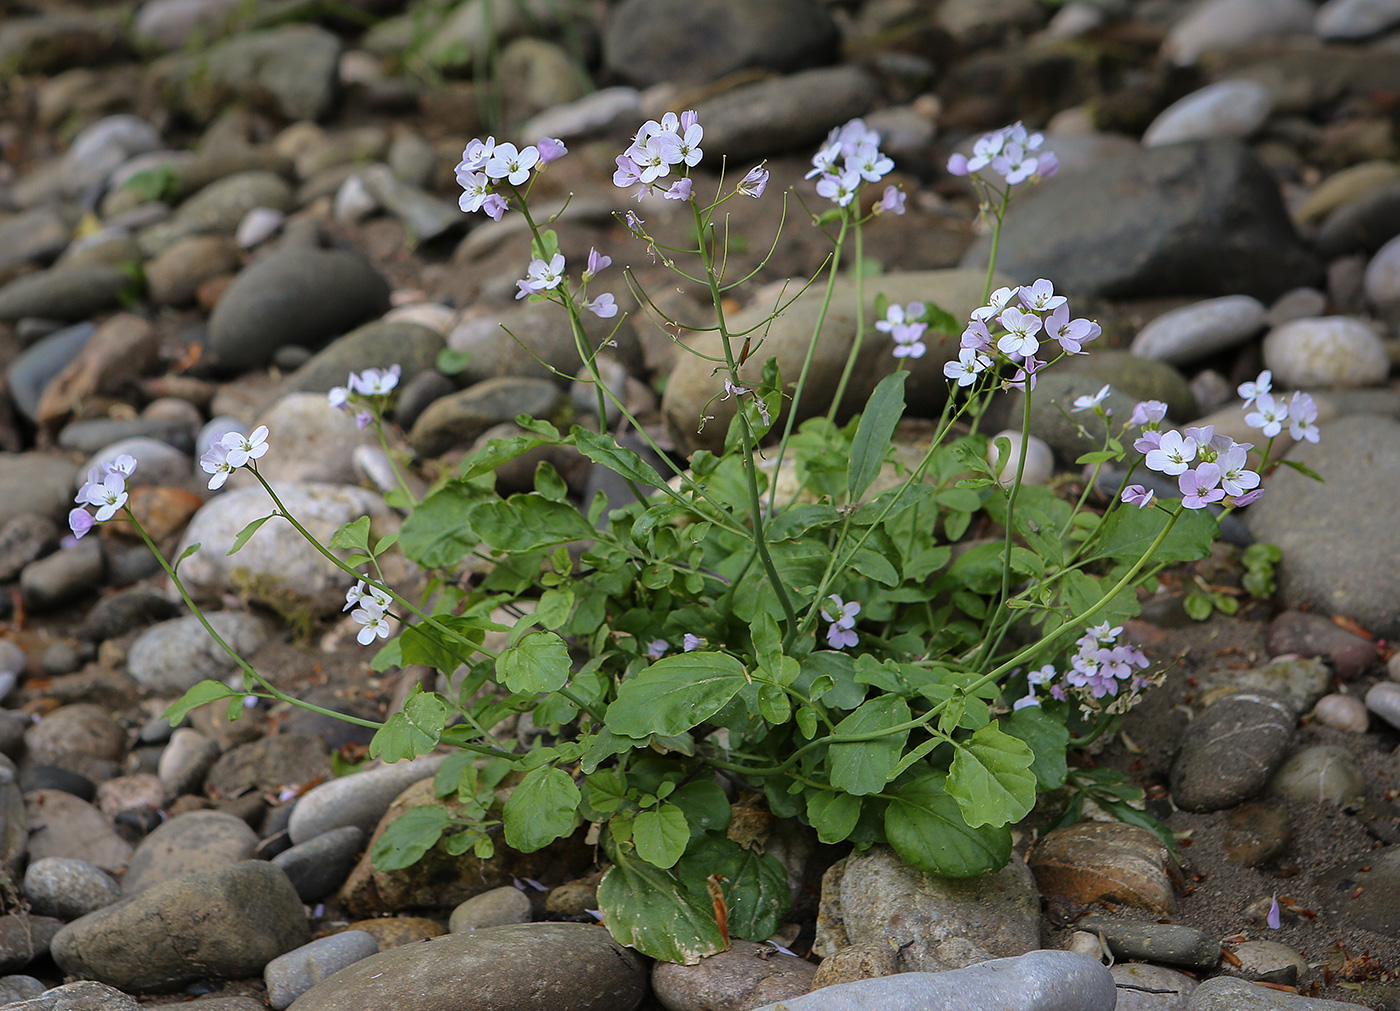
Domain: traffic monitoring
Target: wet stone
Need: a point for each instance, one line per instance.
(1171, 943)
(1230, 751)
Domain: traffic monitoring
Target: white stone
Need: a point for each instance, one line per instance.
(1233, 108)
(1325, 351)
(315, 441)
(277, 567)
(257, 226)
(1233, 24)
(170, 657)
(1356, 19)
(1040, 459)
(1197, 331)
(1382, 281)
(433, 315)
(586, 115)
(353, 201)
(1384, 700)
(99, 149)
(1344, 712)
(157, 463)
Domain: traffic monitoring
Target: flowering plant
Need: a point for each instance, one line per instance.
(842, 656)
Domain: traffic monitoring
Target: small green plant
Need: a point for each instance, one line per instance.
(843, 653)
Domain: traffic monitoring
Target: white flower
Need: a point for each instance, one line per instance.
(1087, 403)
(512, 165)
(691, 642)
(543, 276)
(339, 396)
(371, 616)
(1021, 329)
(999, 301)
(1173, 454)
(243, 448)
(967, 368)
(1302, 418)
(476, 187)
(1041, 296)
(690, 145)
(604, 306)
(824, 160)
(839, 612)
(360, 592)
(869, 163)
(1269, 416)
(109, 496)
(753, 184)
(1235, 477)
(215, 462)
(125, 465)
(378, 382)
(840, 189)
(476, 155)
(1251, 391)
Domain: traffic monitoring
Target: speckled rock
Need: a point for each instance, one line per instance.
(571, 967)
(231, 923)
(175, 655)
(66, 889)
(876, 895)
(84, 995)
(1231, 750)
(1325, 351)
(194, 843)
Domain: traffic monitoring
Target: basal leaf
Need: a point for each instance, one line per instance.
(661, 834)
(674, 694)
(437, 533)
(1047, 738)
(832, 814)
(991, 777)
(651, 910)
(409, 836)
(542, 807)
(926, 828)
(755, 888)
(539, 662)
(705, 805)
(872, 441)
(863, 767)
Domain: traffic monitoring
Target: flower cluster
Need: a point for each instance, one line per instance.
(542, 276)
(1011, 153)
(104, 488)
(849, 159)
(1101, 668)
(1270, 412)
(1208, 466)
(658, 147)
(1011, 326)
(486, 165)
(842, 616)
(360, 391)
(906, 328)
(371, 611)
(233, 451)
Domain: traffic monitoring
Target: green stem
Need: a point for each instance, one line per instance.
(860, 322)
(398, 474)
(992, 639)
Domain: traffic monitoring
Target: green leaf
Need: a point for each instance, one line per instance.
(873, 433)
(409, 836)
(833, 815)
(606, 791)
(705, 805)
(1198, 606)
(863, 767)
(1047, 738)
(755, 885)
(1304, 469)
(541, 809)
(651, 910)
(413, 731)
(353, 536)
(524, 523)
(437, 533)
(1125, 812)
(450, 362)
(990, 778)
(605, 450)
(660, 835)
(246, 533)
(1128, 533)
(198, 695)
(185, 554)
(926, 828)
(675, 694)
(422, 644)
(537, 663)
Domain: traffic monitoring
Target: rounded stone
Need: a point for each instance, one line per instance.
(290, 975)
(193, 843)
(1343, 712)
(1384, 700)
(360, 799)
(746, 975)
(269, 766)
(1097, 861)
(315, 441)
(173, 656)
(1325, 351)
(61, 825)
(1382, 278)
(1172, 943)
(230, 922)
(1233, 24)
(81, 729)
(1265, 958)
(454, 421)
(1356, 19)
(1232, 108)
(174, 277)
(568, 965)
(67, 889)
(1172, 989)
(319, 866)
(1197, 331)
(492, 909)
(157, 462)
(1323, 773)
(1230, 751)
(1040, 459)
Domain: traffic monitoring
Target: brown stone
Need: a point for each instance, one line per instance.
(860, 961)
(163, 512)
(121, 351)
(1098, 861)
(392, 931)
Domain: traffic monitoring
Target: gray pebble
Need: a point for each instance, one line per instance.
(1384, 700)
(67, 889)
(1323, 773)
(1230, 751)
(1197, 331)
(291, 975)
(319, 866)
(63, 576)
(1226, 994)
(1155, 942)
(359, 800)
(491, 909)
